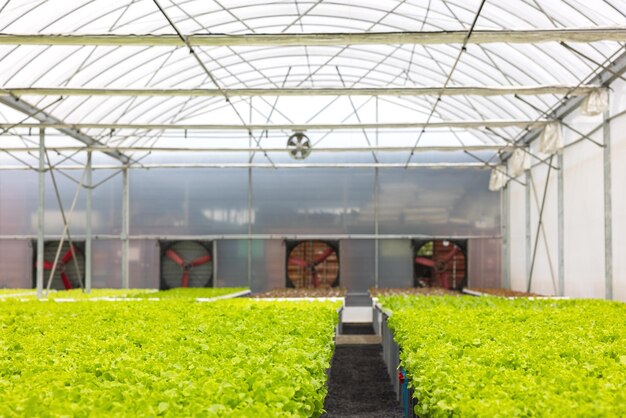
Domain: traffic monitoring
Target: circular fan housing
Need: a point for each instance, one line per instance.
(440, 263)
(70, 269)
(299, 146)
(186, 264)
(312, 264)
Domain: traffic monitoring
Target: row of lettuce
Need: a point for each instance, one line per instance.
(476, 357)
(79, 294)
(236, 357)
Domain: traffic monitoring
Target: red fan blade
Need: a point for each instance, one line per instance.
(200, 261)
(427, 262)
(444, 279)
(66, 281)
(185, 280)
(324, 255)
(316, 278)
(68, 256)
(451, 254)
(47, 265)
(173, 255)
(298, 262)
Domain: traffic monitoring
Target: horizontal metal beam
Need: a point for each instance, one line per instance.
(572, 90)
(454, 148)
(258, 236)
(617, 34)
(49, 120)
(266, 165)
(293, 127)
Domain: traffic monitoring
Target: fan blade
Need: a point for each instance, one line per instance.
(444, 279)
(66, 281)
(324, 256)
(68, 255)
(316, 278)
(451, 254)
(200, 261)
(298, 262)
(47, 265)
(426, 262)
(173, 255)
(185, 280)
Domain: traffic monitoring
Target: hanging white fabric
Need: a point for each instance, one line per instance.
(551, 140)
(498, 178)
(595, 103)
(518, 162)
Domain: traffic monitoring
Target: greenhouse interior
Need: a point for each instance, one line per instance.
(391, 208)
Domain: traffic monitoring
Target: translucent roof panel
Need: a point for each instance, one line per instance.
(125, 64)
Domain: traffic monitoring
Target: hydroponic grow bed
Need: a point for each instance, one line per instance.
(503, 357)
(172, 357)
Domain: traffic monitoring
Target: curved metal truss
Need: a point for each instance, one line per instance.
(86, 67)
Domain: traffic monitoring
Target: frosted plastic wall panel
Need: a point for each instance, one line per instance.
(18, 202)
(232, 263)
(16, 264)
(545, 271)
(395, 263)
(313, 201)
(189, 201)
(584, 212)
(268, 265)
(518, 236)
(450, 202)
(356, 258)
(18, 205)
(484, 262)
(107, 264)
(107, 203)
(618, 167)
(144, 259)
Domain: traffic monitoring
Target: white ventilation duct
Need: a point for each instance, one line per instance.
(551, 140)
(518, 162)
(595, 103)
(498, 178)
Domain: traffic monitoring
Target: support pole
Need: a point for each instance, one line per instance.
(561, 224)
(506, 235)
(528, 226)
(40, 212)
(88, 217)
(608, 209)
(539, 226)
(125, 227)
(376, 209)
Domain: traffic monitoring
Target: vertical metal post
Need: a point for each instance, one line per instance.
(527, 198)
(125, 227)
(88, 213)
(214, 253)
(40, 212)
(376, 228)
(506, 234)
(376, 231)
(561, 223)
(608, 209)
(250, 227)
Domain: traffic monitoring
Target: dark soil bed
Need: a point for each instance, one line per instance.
(320, 292)
(412, 291)
(359, 385)
(503, 292)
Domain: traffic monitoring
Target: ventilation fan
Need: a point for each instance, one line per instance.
(186, 264)
(312, 264)
(440, 263)
(66, 275)
(299, 146)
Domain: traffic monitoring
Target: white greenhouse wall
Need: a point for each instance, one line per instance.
(584, 272)
(618, 173)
